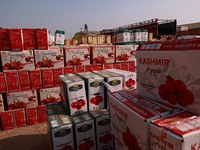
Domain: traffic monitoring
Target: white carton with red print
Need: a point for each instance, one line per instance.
(84, 130)
(179, 131)
(50, 95)
(24, 99)
(94, 90)
(168, 71)
(12, 61)
(77, 56)
(125, 53)
(129, 78)
(53, 58)
(73, 95)
(130, 116)
(104, 137)
(102, 54)
(1, 103)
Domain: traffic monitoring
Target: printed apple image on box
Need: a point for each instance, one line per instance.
(102, 54)
(114, 80)
(129, 78)
(77, 56)
(25, 99)
(84, 129)
(59, 37)
(31, 115)
(2, 83)
(178, 131)
(12, 61)
(94, 90)
(19, 117)
(49, 95)
(68, 69)
(52, 58)
(1, 103)
(104, 137)
(5, 39)
(42, 115)
(23, 79)
(122, 36)
(7, 120)
(56, 72)
(168, 72)
(16, 39)
(60, 129)
(130, 117)
(11, 81)
(35, 79)
(125, 53)
(42, 39)
(73, 95)
(29, 39)
(47, 78)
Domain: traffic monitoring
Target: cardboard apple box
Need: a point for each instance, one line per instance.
(68, 69)
(60, 129)
(125, 53)
(79, 69)
(2, 83)
(56, 72)
(11, 81)
(107, 66)
(129, 78)
(1, 103)
(5, 39)
(72, 91)
(12, 61)
(178, 131)
(94, 90)
(97, 67)
(124, 66)
(130, 117)
(7, 120)
(42, 115)
(102, 54)
(84, 131)
(116, 66)
(49, 95)
(19, 117)
(104, 137)
(88, 68)
(35, 79)
(25, 99)
(47, 78)
(77, 56)
(42, 39)
(23, 79)
(16, 39)
(59, 37)
(31, 115)
(29, 39)
(53, 58)
(131, 66)
(169, 72)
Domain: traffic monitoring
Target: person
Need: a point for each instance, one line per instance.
(86, 27)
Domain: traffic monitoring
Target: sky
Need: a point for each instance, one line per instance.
(71, 15)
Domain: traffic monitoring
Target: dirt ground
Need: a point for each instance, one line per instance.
(33, 137)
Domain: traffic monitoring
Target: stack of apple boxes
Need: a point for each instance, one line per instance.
(163, 113)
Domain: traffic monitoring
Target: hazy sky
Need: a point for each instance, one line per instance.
(71, 15)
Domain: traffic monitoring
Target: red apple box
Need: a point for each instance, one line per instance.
(31, 115)
(47, 78)
(42, 39)
(107, 66)
(35, 78)
(7, 120)
(116, 66)
(68, 69)
(42, 116)
(88, 68)
(97, 67)
(16, 39)
(29, 39)
(56, 72)
(124, 66)
(24, 81)
(79, 69)
(2, 83)
(19, 117)
(4, 39)
(11, 81)
(131, 66)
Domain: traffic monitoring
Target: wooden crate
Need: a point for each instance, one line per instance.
(108, 39)
(74, 42)
(101, 39)
(94, 39)
(67, 42)
(84, 39)
(90, 39)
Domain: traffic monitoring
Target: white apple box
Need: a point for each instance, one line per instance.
(130, 116)
(123, 36)
(129, 78)
(77, 55)
(59, 37)
(25, 99)
(168, 71)
(125, 53)
(13, 61)
(53, 58)
(178, 132)
(84, 129)
(49, 95)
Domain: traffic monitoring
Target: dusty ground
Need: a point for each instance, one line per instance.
(33, 137)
